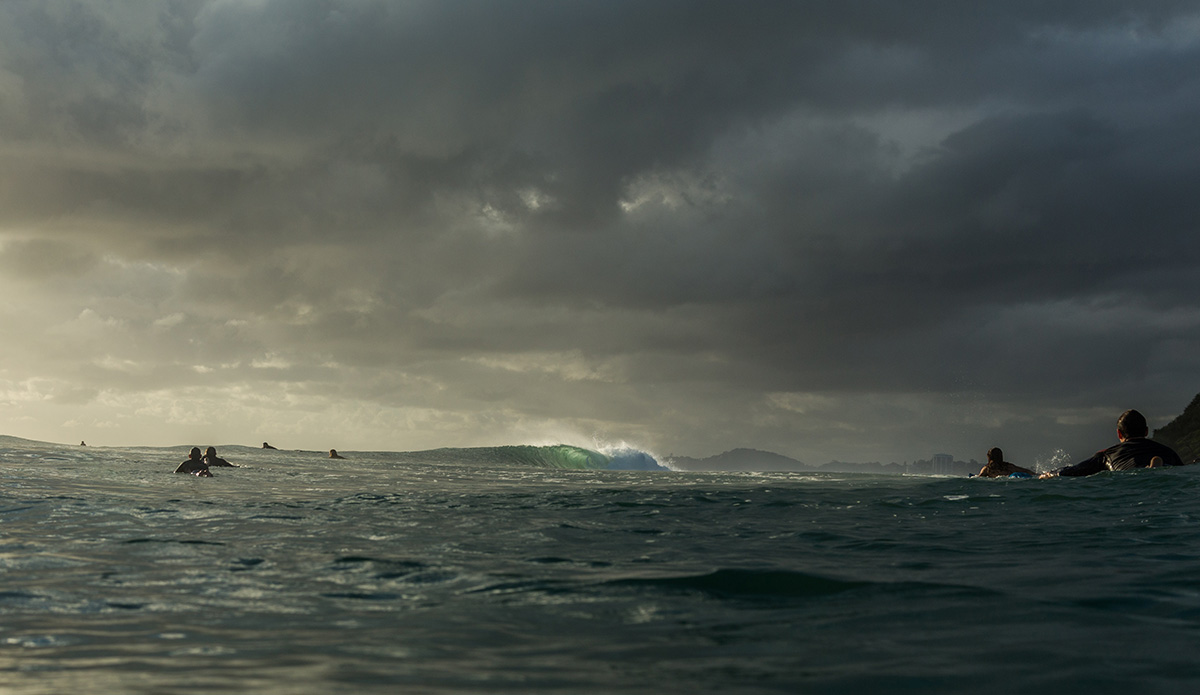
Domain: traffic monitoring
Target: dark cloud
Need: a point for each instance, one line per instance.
(820, 227)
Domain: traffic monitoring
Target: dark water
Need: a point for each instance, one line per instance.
(424, 574)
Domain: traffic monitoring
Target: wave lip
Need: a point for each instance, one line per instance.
(629, 459)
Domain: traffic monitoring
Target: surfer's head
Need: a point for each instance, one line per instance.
(211, 451)
(194, 453)
(995, 455)
(1132, 424)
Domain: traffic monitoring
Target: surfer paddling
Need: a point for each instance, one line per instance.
(333, 454)
(1133, 450)
(194, 465)
(997, 467)
(213, 461)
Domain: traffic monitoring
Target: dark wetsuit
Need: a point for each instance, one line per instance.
(217, 462)
(1129, 454)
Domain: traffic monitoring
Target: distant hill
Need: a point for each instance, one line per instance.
(1183, 433)
(739, 460)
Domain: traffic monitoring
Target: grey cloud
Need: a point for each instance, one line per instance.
(82, 77)
(699, 202)
(38, 259)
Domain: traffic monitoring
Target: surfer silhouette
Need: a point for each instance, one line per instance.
(194, 465)
(1133, 450)
(267, 446)
(333, 454)
(212, 460)
(997, 467)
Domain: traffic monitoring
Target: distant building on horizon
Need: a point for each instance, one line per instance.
(943, 464)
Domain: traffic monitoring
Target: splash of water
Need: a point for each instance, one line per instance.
(1053, 461)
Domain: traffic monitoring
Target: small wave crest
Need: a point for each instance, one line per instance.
(749, 583)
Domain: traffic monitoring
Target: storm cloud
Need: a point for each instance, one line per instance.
(854, 230)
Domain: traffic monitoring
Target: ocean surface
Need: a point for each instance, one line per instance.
(521, 569)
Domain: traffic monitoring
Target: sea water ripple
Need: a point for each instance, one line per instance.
(457, 573)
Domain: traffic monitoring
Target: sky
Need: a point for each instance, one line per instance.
(852, 230)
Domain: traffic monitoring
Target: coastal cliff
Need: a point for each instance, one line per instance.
(1183, 433)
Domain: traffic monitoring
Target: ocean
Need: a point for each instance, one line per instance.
(535, 569)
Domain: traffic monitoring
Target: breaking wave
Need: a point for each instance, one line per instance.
(563, 456)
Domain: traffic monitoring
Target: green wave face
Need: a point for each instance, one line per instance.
(557, 456)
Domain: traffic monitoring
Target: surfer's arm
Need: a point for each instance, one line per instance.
(1091, 466)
